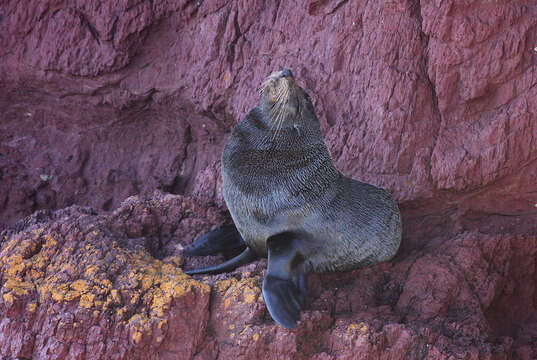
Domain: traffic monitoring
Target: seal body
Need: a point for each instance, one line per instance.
(278, 176)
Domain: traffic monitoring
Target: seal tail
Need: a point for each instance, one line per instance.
(245, 257)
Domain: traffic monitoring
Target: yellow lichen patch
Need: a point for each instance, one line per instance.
(49, 241)
(58, 292)
(80, 286)
(11, 245)
(8, 297)
(143, 286)
(121, 311)
(363, 328)
(15, 265)
(222, 285)
(352, 328)
(68, 268)
(246, 290)
(140, 322)
(35, 275)
(18, 287)
(256, 337)
(249, 296)
(71, 295)
(135, 298)
(246, 328)
(91, 270)
(86, 300)
(161, 323)
(160, 303)
(147, 282)
(136, 337)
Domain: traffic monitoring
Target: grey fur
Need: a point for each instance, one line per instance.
(280, 177)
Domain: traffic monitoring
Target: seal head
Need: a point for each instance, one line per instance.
(284, 103)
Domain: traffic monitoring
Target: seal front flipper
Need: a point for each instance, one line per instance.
(222, 240)
(284, 286)
(245, 257)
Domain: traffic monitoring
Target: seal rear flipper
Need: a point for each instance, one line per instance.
(222, 240)
(284, 286)
(247, 256)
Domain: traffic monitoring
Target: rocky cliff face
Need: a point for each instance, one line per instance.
(434, 100)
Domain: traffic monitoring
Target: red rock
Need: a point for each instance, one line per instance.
(87, 289)
(435, 101)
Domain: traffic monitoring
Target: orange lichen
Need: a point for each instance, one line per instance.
(136, 337)
(86, 300)
(352, 328)
(135, 298)
(8, 298)
(15, 265)
(18, 287)
(91, 270)
(246, 328)
(161, 323)
(249, 296)
(80, 286)
(58, 293)
(246, 290)
(39, 262)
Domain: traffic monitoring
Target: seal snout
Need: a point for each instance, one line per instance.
(286, 73)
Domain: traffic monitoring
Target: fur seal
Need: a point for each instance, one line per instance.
(289, 202)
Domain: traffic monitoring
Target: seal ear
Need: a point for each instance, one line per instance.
(284, 286)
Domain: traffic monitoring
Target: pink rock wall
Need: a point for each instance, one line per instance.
(434, 100)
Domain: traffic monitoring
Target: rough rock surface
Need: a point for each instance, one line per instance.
(77, 285)
(434, 100)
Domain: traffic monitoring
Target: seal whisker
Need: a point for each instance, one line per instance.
(277, 109)
(280, 113)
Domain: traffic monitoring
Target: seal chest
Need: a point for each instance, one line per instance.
(290, 203)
